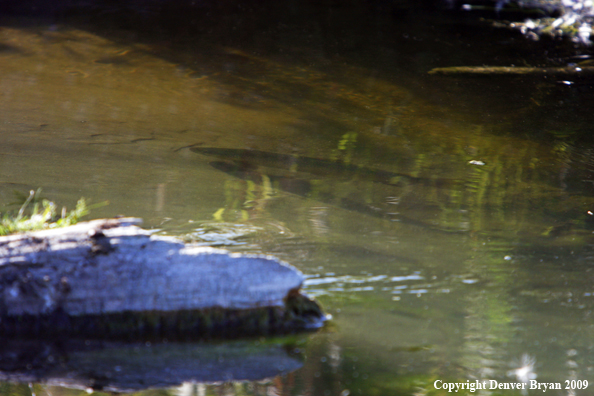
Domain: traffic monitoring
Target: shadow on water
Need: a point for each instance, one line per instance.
(266, 53)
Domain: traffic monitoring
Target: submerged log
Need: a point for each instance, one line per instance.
(568, 71)
(110, 278)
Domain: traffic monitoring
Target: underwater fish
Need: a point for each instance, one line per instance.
(335, 170)
(381, 207)
(392, 196)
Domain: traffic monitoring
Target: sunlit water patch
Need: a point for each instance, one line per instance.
(415, 284)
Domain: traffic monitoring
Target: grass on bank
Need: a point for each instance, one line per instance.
(39, 214)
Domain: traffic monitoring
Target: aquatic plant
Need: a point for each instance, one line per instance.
(36, 214)
(346, 147)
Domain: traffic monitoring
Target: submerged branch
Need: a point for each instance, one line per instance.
(513, 70)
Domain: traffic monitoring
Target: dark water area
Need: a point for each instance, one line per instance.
(446, 222)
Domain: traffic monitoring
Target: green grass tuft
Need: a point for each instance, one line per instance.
(39, 214)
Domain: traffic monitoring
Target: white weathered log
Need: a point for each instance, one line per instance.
(111, 266)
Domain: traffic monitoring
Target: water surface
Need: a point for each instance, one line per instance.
(444, 222)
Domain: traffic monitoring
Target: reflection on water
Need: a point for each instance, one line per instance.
(446, 223)
(123, 368)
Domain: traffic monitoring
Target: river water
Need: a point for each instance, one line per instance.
(443, 221)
